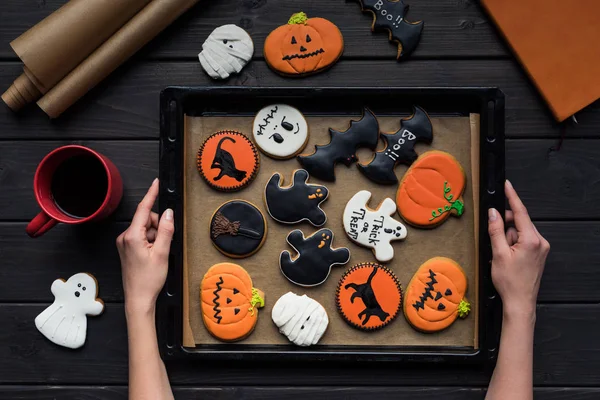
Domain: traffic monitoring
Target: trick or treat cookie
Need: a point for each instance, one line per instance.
(435, 296)
(431, 190)
(228, 161)
(399, 148)
(369, 296)
(342, 147)
(301, 201)
(316, 256)
(226, 51)
(389, 15)
(280, 131)
(304, 46)
(373, 228)
(301, 319)
(64, 322)
(238, 229)
(229, 302)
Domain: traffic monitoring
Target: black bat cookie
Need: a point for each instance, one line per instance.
(342, 147)
(389, 15)
(399, 148)
(315, 257)
(299, 202)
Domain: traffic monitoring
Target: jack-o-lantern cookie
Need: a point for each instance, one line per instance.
(435, 296)
(280, 131)
(238, 229)
(301, 319)
(304, 46)
(369, 296)
(229, 302)
(431, 190)
(228, 161)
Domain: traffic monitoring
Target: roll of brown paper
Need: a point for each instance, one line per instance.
(148, 23)
(56, 45)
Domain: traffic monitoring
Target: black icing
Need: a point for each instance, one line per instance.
(438, 296)
(224, 161)
(365, 292)
(236, 311)
(252, 229)
(315, 257)
(299, 202)
(448, 292)
(342, 147)
(441, 307)
(427, 293)
(416, 128)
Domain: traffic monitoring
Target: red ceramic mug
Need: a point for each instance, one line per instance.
(74, 185)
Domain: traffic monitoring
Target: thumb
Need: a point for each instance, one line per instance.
(496, 232)
(164, 234)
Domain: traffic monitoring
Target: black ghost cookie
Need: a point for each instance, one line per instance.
(238, 229)
(296, 203)
(316, 256)
(399, 148)
(342, 147)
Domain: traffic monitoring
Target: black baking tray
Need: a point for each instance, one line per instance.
(176, 102)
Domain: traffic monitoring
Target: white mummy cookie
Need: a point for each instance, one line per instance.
(65, 321)
(280, 131)
(226, 51)
(300, 318)
(373, 228)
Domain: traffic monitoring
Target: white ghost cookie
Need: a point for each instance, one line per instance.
(280, 131)
(373, 228)
(226, 51)
(65, 321)
(300, 318)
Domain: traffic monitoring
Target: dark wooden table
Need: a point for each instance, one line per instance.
(459, 47)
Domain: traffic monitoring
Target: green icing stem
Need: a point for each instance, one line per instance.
(457, 205)
(464, 307)
(298, 19)
(256, 300)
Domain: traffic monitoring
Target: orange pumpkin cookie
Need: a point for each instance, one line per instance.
(228, 161)
(369, 296)
(431, 190)
(229, 302)
(435, 296)
(304, 46)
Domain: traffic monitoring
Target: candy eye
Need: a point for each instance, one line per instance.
(294, 40)
(79, 285)
(308, 39)
(83, 288)
(224, 41)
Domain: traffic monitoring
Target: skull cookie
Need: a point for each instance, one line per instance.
(65, 322)
(226, 51)
(280, 131)
(301, 319)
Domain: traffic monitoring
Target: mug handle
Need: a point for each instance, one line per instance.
(41, 224)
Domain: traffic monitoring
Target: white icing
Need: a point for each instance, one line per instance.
(65, 321)
(270, 124)
(226, 51)
(300, 318)
(374, 229)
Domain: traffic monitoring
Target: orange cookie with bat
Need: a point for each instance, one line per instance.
(431, 190)
(229, 302)
(435, 296)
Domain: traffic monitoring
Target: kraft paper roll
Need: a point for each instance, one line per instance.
(57, 44)
(148, 23)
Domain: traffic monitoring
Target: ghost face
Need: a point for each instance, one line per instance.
(280, 131)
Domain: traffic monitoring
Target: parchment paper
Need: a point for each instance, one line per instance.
(455, 238)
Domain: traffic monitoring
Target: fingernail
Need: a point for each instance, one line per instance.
(509, 184)
(169, 214)
(492, 214)
(154, 181)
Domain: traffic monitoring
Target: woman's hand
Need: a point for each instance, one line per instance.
(519, 256)
(144, 250)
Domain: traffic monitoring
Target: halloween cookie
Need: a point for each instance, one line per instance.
(238, 229)
(64, 322)
(316, 256)
(301, 319)
(280, 131)
(304, 46)
(435, 296)
(228, 161)
(399, 148)
(342, 147)
(373, 228)
(226, 51)
(229, 302)
(369, 296)
(431, 190)
(301, 201)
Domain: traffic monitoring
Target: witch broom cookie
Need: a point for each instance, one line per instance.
(238, 229)
(316, 256)
(435, 296)
(229, 302)
(280, 131)
(301, 319)
(373, 228)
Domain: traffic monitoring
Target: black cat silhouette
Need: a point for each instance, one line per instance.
(365, 292)
(226, 163)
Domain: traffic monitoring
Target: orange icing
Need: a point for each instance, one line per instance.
(449, 286)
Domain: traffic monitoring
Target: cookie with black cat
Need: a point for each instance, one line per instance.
(369, 296)
(228, 161)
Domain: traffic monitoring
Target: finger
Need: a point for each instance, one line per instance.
(151, 234)
(152, 221)
(512, 236)
(520, 215)
(496, 232)
(166, 228)
(509, 217)
(142, 214)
